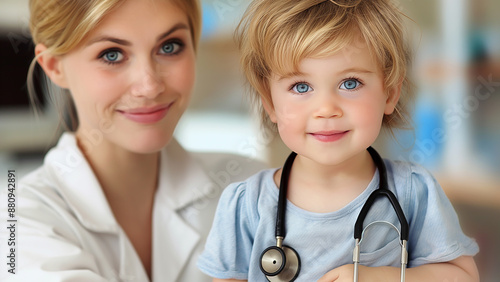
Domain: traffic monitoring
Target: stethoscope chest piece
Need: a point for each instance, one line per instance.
(280, 264)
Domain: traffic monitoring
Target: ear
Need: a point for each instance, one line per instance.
(51, 65)
(393, 95)
(268, 106)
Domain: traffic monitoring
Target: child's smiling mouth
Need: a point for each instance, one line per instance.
(329, 136)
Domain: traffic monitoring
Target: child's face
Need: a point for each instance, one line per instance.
(132, 77)
(333, 110)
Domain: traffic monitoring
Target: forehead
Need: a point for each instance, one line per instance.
(351, 54)
(145, 17)
(294, 46)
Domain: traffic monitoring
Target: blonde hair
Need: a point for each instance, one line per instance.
(61, 25)
(274, 36)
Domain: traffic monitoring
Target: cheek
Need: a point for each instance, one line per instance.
(286, 110)
(89, 83)
(104, 90)
(181, 76)
(369, 117)
(95, 96)
(287, 115)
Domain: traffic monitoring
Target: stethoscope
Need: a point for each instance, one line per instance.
(282, 263)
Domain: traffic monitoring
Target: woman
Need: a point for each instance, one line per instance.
(118, 199)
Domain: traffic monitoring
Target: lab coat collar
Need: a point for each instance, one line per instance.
(79, 186)
(174, 242)
(182, 181)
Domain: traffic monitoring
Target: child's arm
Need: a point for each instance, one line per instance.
(460, 269)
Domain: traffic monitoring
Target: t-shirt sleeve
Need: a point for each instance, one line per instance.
(229, 243)
(435, 232)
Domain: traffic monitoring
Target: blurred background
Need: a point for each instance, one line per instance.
(456, 114)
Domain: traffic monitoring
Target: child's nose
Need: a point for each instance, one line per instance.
(328, 106)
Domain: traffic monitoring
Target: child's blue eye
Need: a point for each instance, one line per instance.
(301, 88)
(350, 84)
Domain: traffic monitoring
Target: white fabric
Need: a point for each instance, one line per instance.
(66, 230)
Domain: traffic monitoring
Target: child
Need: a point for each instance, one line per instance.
(118, 198)
(329, 75)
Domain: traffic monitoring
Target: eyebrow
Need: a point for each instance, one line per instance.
(124, 42)
(291, 74)
(349, 70)
(358, 70)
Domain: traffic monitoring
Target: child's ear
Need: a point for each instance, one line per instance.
(269, 109)
(393, 95)
(51, 65)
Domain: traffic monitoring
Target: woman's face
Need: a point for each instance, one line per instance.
(131, 78)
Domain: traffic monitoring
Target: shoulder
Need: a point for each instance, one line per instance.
(407, 174)
(427, 209)
(38, 182)
(63, 188)
(248, 196)
(225, 168)
(238, 166)
(228, 250)
(61, 162)
(416, 186)
(250, 189)
(42, 186)
(42, 208)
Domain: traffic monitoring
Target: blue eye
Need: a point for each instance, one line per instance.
(170, 48)
(350, 84)
(111, 56)
(301, 88)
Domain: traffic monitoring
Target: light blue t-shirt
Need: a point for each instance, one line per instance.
(245, 223)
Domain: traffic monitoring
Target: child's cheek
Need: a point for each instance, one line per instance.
(286, 116)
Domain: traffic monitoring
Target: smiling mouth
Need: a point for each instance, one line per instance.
(146, 115)
(329, 136)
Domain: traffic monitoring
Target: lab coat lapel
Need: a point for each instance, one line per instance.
(79, 186)
(173, 246)
(182, 182)
(182, 179)
(131, 268)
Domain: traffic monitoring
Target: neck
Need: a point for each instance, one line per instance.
(359, 168)
(325, 188)
(124, 176)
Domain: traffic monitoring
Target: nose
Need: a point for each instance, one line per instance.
(328, 105)
(147, 81)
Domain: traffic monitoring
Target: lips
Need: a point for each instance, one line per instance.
(146, 115)
(329, 136)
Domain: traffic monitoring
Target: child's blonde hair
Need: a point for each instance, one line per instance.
(61, 25)
(275, 35)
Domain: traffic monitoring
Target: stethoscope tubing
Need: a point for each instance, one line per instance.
(382, 191)
(285, 178)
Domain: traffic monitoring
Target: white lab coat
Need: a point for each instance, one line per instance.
(66, 230)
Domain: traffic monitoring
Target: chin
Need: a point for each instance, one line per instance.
(151, 143)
